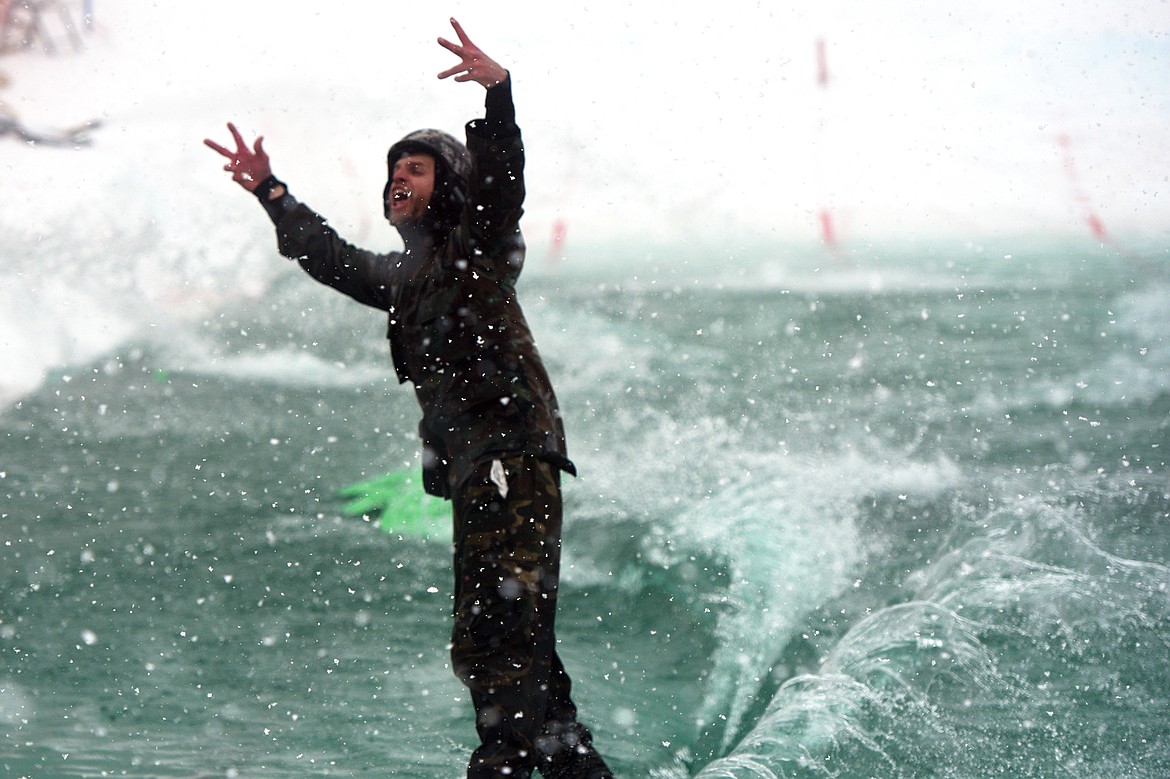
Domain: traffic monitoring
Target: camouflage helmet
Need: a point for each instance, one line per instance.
(452, 170)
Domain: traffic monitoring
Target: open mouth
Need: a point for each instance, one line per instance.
(400, 195)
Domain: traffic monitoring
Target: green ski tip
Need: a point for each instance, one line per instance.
(400, 504)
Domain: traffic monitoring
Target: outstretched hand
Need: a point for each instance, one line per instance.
(248, 166)
(475, 66)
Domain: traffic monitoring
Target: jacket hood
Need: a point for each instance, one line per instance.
(452, 171)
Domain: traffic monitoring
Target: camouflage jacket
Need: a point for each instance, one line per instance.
(456, 329)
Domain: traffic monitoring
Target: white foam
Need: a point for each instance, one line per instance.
(290, 367)
(15, 707)
(786, 532)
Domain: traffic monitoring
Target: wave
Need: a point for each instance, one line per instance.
(1017, 634)
(85, 278)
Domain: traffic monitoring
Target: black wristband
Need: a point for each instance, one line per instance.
(278, 207)
(265, 187)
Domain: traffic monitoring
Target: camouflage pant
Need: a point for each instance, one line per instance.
(507, 562)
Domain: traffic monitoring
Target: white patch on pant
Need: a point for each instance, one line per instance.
(499, 478)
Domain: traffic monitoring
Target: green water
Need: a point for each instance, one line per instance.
(905, 516)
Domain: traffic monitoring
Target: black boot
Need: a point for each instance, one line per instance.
(567, 753)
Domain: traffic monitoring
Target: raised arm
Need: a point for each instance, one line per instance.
(489, 231)
(475, 65)
(248, 167)
(302, 234)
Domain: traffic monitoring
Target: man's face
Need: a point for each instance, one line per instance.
(411, 186)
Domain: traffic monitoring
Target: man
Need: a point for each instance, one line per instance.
(493, 441)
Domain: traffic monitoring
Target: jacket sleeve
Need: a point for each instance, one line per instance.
(304, 235)
(490, 226)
